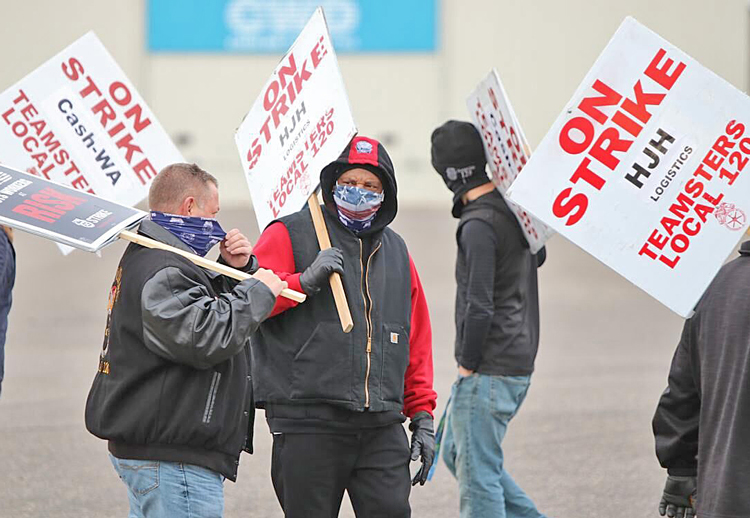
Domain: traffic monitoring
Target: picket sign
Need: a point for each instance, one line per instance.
(643, 169)
(75, 218)
(505, 148)
(78, 121)
(300, 123)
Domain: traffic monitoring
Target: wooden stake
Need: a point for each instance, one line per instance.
(339, 296)
(202, 262)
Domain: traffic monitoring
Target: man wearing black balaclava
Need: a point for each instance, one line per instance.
(497, 328)
(335, 402)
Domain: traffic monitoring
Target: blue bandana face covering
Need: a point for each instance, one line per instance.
(200, 234)
(357, 207)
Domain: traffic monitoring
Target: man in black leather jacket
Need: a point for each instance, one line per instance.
(173, 393)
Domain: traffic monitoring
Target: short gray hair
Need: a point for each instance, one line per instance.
(176, 182)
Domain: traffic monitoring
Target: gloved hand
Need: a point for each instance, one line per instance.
(316, 275)
(678, 499)
(422, 444)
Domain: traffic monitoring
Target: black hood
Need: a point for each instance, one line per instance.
(368, 154)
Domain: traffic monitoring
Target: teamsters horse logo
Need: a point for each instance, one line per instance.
(730, 216)
(364, 147)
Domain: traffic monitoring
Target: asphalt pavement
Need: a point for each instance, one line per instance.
(581, 446)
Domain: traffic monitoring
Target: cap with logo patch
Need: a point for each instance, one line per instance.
(458, 157)
(366, 153)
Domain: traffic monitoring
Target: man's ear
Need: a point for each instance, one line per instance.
(187, 205)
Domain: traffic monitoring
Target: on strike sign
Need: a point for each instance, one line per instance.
(300, 123)
(644, 167)
(63, 214)
(506, 148)
(77, 120)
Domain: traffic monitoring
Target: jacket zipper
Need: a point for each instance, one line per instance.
(368, 316)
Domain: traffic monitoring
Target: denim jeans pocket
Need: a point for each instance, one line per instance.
(141, 476)
(506, 395)
(464, 389)
(516, 380)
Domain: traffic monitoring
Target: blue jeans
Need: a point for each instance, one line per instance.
(481, 409)
(158, 489)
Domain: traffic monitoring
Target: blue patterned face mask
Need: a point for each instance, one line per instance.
(357, 207)
(200, 234)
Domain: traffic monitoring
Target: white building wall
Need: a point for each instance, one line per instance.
(541, 48)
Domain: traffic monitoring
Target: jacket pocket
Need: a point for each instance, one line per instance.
(395, 347)
(322, 368)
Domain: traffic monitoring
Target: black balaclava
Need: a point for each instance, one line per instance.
(458, 156)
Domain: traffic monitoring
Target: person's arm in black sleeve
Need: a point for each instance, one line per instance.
(6, 257)
(185, 324)
(224, 283)
(675, 422)
(238, 239)
(479, 244)
(250, 268)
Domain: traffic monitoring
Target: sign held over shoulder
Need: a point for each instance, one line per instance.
(505, 147)
(300, 123)
(62, 214)
(644, 167)
(81, 220)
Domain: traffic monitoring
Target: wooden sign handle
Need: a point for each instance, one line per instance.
(227, 271)
(342, 306)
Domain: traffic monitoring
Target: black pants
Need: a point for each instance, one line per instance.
(310, 472)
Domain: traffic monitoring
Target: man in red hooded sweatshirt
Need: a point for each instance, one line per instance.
(335, 402)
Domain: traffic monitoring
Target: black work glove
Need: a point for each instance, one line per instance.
(678, 498)
(422, 444)
(317, 274)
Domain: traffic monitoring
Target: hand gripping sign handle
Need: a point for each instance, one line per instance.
(325, 242)
(202, 262)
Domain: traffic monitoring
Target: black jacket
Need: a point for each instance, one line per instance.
(702, 422)
(173, 382)
(497, 303)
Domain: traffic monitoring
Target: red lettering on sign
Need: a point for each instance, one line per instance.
(105, 109)
(661, 74)
(579, 134)
(22, 119)
(280, 96)
(48, 205)
(695, 203)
